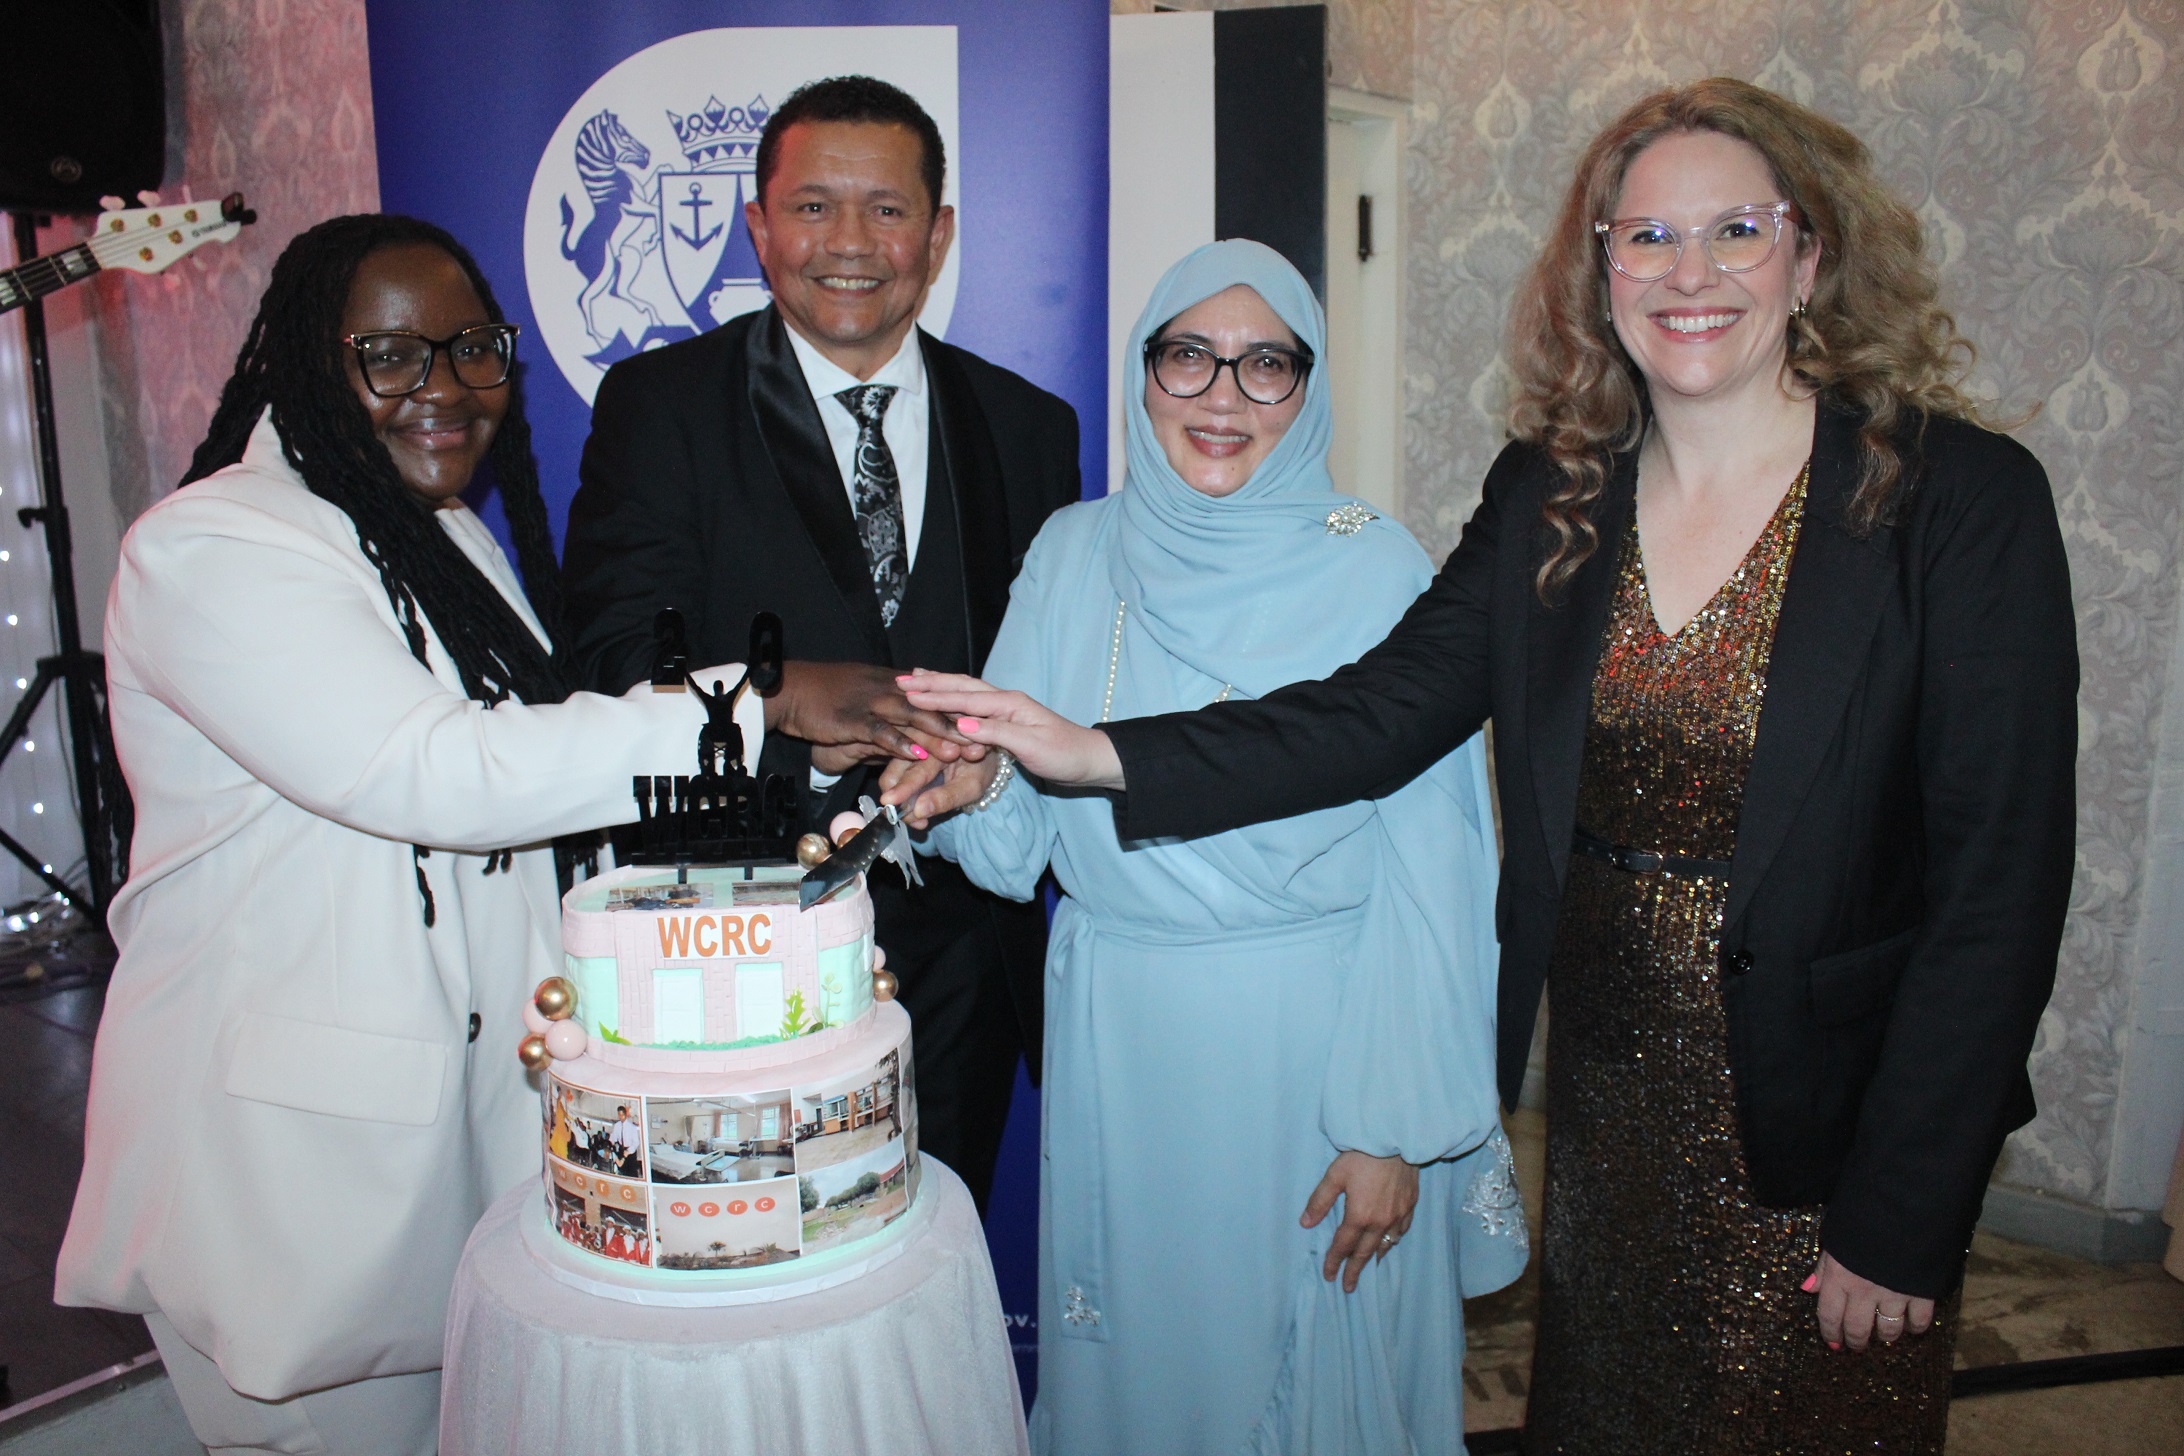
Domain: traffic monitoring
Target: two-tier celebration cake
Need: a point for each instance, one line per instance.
(726, 1078)
(740, 1098)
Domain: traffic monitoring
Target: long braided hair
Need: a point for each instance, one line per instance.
(292, 363)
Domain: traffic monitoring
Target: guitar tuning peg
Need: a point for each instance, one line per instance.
(111, 203)
(148, 197)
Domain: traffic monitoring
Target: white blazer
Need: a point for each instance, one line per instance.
(291, 1129)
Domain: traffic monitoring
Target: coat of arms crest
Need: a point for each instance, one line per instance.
(634, 234)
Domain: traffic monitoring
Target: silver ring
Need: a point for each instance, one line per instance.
(1390, 1239)
(1894, 1319)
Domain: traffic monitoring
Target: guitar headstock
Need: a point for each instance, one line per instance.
(148, 239)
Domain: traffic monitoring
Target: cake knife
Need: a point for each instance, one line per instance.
(862, 850)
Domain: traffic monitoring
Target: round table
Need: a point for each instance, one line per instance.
(911, 1356)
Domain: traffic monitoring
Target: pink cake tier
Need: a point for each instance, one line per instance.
(724, 1094)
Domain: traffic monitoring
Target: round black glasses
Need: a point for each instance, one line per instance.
(396, 362)
(1186, 370)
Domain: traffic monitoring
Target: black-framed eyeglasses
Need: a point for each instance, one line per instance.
(396, 362)
(1644, 249)
(1186, 370)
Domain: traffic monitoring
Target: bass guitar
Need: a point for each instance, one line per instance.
(141, 239)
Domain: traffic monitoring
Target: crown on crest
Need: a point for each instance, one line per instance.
(719, 138)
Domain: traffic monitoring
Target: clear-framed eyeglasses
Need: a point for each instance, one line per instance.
(1644, 249)
(396, 362)
(1186, 370)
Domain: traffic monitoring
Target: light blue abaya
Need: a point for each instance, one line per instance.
(1225, 1014)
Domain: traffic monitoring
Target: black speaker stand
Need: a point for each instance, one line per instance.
(102, 799)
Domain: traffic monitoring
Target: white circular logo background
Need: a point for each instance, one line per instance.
(633, 236)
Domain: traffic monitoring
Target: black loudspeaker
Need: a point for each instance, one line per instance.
(83, 103)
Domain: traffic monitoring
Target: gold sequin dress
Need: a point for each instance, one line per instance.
(1671, 1320)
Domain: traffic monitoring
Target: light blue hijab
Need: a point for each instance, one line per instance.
(1240, 586)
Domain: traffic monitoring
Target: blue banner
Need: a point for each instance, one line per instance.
(595, 159)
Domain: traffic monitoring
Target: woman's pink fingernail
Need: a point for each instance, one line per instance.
(918, 752)
(1812, 1282)
(967, 725)
(1832, 1345)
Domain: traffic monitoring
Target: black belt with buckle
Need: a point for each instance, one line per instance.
(1645, 861)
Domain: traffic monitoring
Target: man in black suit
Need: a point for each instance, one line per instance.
(826, 460)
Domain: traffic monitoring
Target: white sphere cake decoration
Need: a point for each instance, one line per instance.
(566, 1040)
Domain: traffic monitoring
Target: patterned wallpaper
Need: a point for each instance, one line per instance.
(1368, 41)
(2043, 143)
(275, 103)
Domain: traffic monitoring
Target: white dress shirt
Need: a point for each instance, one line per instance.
(903, 427)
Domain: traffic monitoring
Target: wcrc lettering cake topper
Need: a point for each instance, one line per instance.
(634, 237)
(722, 814)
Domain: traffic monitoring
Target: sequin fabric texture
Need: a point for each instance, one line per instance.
(1670, 1315)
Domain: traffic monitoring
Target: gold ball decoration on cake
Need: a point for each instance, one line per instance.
(812, 849)
(555, 998)
(883, 985)
(531, 1051)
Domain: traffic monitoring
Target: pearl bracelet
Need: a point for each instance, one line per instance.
(1000, 782)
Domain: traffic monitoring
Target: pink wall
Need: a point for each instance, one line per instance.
(276, 103)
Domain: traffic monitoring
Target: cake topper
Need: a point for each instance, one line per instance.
(722, 814)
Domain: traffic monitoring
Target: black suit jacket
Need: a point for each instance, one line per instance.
(708, 485)
(1904, 858)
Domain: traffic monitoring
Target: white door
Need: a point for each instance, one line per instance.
(678, 1004)
(1364, 295)
(759, 1003)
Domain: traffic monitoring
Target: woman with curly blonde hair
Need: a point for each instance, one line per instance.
(1780, 655)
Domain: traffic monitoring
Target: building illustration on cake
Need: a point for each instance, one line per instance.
(723, 1088)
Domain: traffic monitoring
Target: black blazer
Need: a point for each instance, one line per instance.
(1904, 858)
(708, 485)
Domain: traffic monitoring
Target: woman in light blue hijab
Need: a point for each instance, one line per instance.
(1247, 1030)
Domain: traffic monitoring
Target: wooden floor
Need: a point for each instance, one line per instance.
(45, 1068)
(2020, 1303)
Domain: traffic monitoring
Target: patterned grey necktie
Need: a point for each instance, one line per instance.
(876, 497)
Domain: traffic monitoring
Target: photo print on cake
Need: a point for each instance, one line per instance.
(763, 892)
(854, 1199)
(849, 1117)
(592, 1130)
(736, 1226)
(665, 895)
(603, 1216)
(704, 1140)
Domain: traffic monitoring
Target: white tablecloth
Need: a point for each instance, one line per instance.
(910, 1358)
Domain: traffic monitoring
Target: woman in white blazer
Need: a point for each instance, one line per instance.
(350, 745)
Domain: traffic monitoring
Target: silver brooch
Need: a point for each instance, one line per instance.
(1077, 1309)
(1350, 519)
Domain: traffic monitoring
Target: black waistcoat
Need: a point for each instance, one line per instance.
(933, 627)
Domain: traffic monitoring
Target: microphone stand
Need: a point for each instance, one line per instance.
(102, 798)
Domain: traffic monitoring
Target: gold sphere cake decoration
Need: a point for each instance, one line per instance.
(555, 998)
